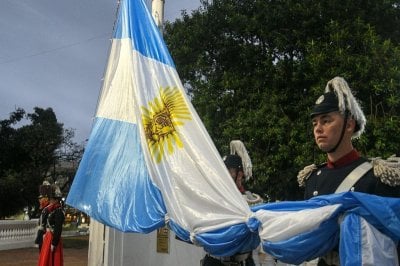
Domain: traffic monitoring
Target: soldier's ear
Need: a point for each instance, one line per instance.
(351, 125)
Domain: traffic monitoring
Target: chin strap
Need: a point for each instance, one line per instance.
(346, 116)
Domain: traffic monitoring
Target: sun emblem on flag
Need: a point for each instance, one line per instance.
(161, 120)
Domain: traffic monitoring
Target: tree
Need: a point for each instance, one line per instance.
(68, 154)
(254, 68)
(27, 155)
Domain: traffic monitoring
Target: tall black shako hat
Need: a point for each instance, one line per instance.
(338, 97)
(55, 192)
(233, 161)
(49, 191)
(45, 190)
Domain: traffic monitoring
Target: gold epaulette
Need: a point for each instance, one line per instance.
(303, 175)
(388, 171)
(252, 198)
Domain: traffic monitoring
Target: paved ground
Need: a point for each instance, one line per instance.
(29, 256)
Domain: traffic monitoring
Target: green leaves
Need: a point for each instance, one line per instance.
(254, 68)
(27, 154)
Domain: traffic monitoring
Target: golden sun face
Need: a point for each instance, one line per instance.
(161, 120)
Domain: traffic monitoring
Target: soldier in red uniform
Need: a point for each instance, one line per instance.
(51, 253)
(44, 193)
(337, 118)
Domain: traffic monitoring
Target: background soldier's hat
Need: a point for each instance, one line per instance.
(45, 190)
(55, 192)
(239, 159)
(338, 97)
(233, 161)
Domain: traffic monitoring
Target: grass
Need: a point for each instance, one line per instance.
(76, 242)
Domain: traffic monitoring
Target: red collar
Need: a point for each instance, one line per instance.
(348, 158)
(52, 207)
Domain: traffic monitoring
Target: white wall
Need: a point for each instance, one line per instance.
(132, 249)
(141, 249)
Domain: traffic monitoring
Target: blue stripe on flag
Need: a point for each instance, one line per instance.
(310, 244)
(350, 241)
(229, 240)
(313, 243)
(111, 174)
(135, 22)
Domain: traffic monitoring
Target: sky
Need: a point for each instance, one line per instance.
(54, 53)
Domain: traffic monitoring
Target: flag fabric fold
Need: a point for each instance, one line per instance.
(371, 247)
(149, 161)
(295, 232)
(149, 158)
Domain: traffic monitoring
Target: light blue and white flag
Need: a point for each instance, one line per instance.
(149, 162)
(149, 158)
(365, 227)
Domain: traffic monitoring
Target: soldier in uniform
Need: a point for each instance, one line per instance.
(44, 193)
(239, 166)
(52, 248)
(337, 118)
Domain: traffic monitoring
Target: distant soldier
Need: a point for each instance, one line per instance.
(44, 193)
(51, 253)
(240, 168)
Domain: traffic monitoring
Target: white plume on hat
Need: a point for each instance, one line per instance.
(347, 102)
(238, 148)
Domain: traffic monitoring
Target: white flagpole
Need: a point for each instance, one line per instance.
(157, 11)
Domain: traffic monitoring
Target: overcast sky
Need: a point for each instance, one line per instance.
(54, 53)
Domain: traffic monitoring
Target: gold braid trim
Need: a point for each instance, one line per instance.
(303, 175)
(388, 171)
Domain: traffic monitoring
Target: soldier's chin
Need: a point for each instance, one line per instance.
(324, 148)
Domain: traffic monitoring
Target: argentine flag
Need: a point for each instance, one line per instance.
(149, 159)
(150, 162)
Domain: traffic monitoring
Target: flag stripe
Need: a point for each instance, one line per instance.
(143, 32)
(112, 163)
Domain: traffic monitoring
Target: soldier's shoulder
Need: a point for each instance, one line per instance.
(252, 198)
(304, 174)
(387, 170)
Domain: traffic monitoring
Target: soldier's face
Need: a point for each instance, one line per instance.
(237, 176)
(327, 130)
(43, 202)
(232, 172)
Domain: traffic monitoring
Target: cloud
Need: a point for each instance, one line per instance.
(54, 55)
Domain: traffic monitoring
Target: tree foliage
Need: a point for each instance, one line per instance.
(254, 68)
(27, 153)
(68, 154)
